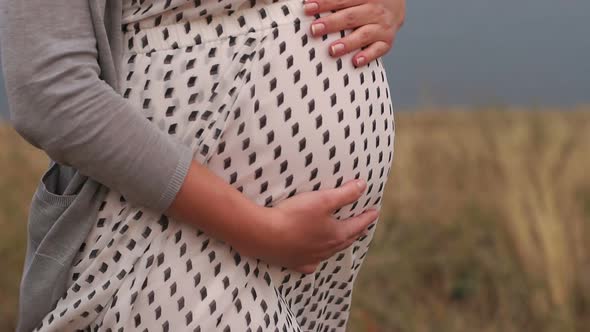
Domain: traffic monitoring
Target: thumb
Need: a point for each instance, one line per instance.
(345, 194)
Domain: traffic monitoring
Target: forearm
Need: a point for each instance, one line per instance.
(214, 206)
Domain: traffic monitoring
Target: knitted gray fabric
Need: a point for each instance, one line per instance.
(60, 61)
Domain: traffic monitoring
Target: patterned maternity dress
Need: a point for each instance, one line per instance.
(264, 106)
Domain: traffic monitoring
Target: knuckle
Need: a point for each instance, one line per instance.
(337, 241)
(349, 19)
(387, 17)
(328, 200)
(348, 196)
(389, 38)
(380, 11)
(366, 218)
(391, 23)
(388, 22)
(354, 194)
(365, 35)
(387, 46)
(381, 48)
(340, 3)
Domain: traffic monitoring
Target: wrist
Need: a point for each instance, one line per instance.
(259, 231)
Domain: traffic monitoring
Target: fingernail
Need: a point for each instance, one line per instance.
(317, 27)
(361, 185)
(337, 48)
(310, 6)
(360, 60)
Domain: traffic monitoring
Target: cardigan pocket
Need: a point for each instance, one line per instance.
(62, 212)
(50, 200)
(54, 185)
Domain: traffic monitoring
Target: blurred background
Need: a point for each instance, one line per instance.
(486, 221)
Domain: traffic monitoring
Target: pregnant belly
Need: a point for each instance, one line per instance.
(271, 111)
(274, 115)
(314, 125)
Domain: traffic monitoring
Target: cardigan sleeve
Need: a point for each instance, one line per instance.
(59, 103)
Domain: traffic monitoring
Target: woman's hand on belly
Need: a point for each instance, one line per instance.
(376, 23)
(301, 231)
(298, 232)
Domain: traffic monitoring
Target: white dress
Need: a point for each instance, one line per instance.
(263, 105)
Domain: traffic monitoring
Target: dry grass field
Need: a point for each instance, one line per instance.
(486, 224)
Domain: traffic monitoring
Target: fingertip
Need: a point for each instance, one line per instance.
(360, 60)
(336, 49)
(309, 7)
(375, 211)
(361, 184)
(372, 215)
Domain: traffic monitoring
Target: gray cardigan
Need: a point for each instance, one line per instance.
(61, 61)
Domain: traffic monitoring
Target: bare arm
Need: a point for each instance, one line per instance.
(225, 213)
(298, 232)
